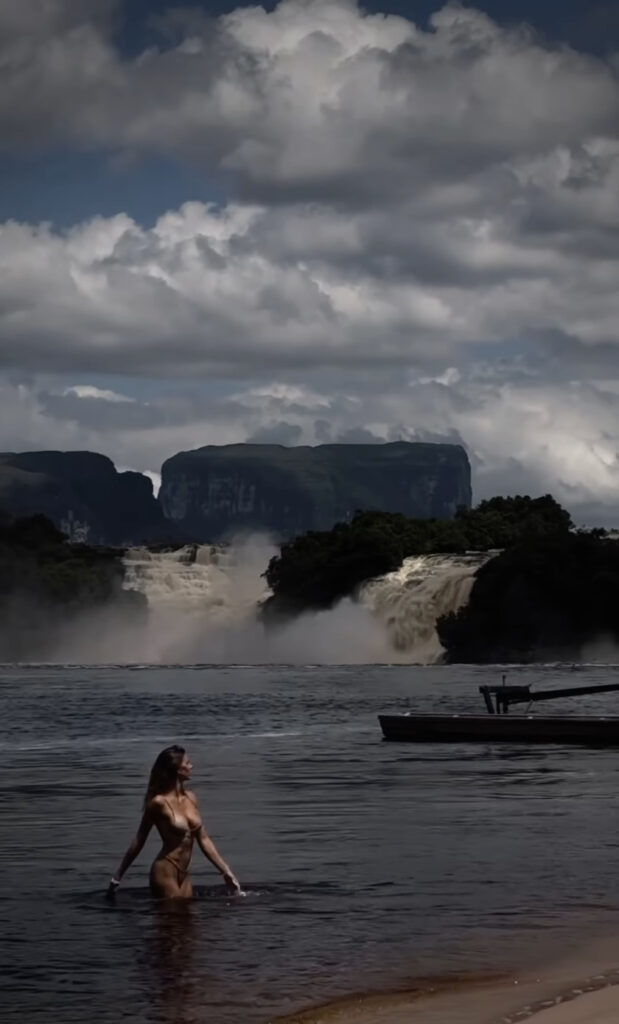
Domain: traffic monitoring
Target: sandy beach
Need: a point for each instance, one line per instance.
(558, 995)
(500, 1005)
(600, 1007)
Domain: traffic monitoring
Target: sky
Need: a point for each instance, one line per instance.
(315, 222)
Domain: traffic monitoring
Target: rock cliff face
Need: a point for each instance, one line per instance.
(83, 494)
(214, 491)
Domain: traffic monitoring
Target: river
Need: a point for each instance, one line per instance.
(366, 864)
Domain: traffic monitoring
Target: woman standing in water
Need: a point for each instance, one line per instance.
(174, 812)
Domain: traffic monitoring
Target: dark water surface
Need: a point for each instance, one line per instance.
(367, 864)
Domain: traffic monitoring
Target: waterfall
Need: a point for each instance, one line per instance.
(199, 597)
(203, 580)
(203, 601)
(409, 601)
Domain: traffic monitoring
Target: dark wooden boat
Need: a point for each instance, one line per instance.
(498, 725)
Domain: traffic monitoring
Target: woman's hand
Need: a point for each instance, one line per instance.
(233, 883)
(111, 889)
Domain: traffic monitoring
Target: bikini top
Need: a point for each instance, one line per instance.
(181, 824)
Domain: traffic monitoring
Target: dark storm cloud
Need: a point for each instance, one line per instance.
(99, 413)
(277, 433)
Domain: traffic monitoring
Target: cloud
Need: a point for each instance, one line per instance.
(418, 240)
(358, 435)
(39, 18)
(58, 67)
(94, 409)
(401, 194)
(88, 391)
(224, 290)
(315, 100)
(277, 433)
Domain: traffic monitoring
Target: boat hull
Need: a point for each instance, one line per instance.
(502, 728)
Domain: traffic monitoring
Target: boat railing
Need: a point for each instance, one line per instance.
(505, 695)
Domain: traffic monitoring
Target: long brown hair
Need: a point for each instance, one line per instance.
(164, 773)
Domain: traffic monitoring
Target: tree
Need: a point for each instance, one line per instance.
(317, 569)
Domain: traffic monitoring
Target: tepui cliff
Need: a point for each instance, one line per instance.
(83, 495)
(212, 492)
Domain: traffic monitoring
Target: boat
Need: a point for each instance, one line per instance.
(497, 725)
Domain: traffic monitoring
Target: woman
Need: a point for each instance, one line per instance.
(174, 812)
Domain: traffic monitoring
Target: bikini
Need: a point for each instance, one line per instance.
(187, 833)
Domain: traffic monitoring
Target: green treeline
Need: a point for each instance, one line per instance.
(46, 583)
(317, 569)
(547, 594)
(544, 599)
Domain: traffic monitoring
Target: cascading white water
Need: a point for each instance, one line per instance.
(409, 602)
(200, 597)
(199, 579)
(203, 601)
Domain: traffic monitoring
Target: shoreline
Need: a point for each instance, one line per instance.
(566, 993)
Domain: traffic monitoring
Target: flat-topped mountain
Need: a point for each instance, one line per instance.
(214, 491)
(83, 494)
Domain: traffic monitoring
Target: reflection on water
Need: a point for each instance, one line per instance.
(367, 864)
(168, 961)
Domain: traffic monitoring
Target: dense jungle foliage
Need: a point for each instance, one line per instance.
(317, 569)
(46, 583)
(544, 599)
(549, 593)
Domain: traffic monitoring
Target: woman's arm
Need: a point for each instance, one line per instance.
(211, 853)
(133, 849)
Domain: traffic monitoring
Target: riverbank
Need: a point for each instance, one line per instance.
(563, 994)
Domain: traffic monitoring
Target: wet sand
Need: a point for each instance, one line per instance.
(582, 991)
(502, 1004)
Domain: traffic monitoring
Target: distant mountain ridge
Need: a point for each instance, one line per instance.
(213, 492)
(83, 494)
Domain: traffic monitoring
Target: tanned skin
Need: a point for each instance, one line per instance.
(176, 816)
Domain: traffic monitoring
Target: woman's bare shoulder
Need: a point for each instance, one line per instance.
(155, 804)
(192, 796)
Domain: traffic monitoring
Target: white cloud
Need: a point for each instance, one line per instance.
(413, 190)
(283, 395)
(89, 391)
(225, 290)
(420, 240)
(315, 97)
